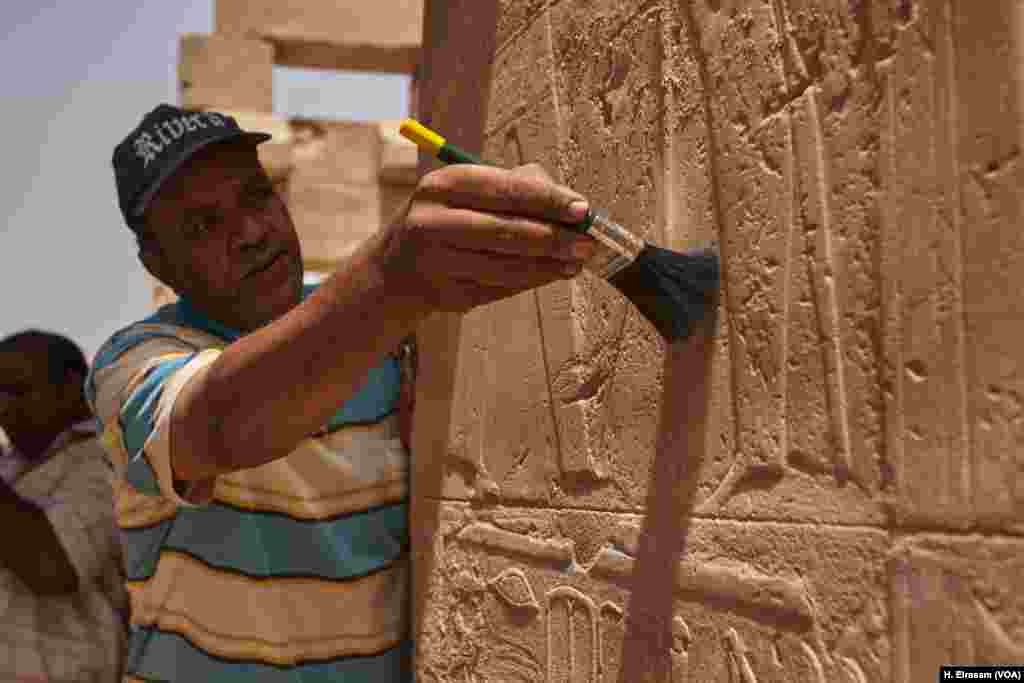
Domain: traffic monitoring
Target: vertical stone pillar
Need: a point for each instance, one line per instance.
(845, 502)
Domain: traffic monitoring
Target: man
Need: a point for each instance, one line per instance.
(61, 584)
(254, 421)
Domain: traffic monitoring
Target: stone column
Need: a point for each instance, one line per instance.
(825, 487)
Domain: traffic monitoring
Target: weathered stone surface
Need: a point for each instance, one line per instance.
(335, 152)
(332, 190)
(516, 16)
(276, 154)
(398, 156)
(359, 36)
(955, 600)
(859, 166)
(602, 361)
(522, 74)
(216, 71)
(397, 171)
(925, 373)
(546, 595)
(991, 177)
(332, 218)
(452, 84)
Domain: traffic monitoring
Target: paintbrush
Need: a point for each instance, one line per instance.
(672, 290)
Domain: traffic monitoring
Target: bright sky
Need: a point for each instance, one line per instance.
(77, 77)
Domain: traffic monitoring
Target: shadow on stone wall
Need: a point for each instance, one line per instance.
(672, 496)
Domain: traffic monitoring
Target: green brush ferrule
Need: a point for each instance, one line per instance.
(450, 154)
(583, 227)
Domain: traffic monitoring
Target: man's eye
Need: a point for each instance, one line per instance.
(197, 227)
(260, 195)
(15, 390)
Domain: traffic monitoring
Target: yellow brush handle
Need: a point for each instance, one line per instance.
(423, 137)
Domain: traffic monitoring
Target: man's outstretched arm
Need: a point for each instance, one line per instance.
(471, 235)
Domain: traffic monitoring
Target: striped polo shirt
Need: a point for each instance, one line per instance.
(296, 570)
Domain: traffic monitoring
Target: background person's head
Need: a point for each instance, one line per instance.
(208, 220)
(42, 380)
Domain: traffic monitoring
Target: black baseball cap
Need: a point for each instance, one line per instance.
(166, 138)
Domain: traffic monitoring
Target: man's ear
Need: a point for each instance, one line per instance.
(149, 257)
(152, 259)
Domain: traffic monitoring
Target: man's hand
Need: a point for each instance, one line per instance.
(472, 235)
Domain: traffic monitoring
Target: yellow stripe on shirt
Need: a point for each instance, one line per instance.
(326, 619)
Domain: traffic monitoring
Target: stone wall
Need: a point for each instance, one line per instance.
(825, 486)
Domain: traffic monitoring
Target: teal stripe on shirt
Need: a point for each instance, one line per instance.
(376, 399)
(156, 655)
(264, 544)
(137, 423)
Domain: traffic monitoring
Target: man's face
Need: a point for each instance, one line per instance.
(32, 404)
(225, 239)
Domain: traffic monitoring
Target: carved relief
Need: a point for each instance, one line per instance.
(739, 666)
(681, 641)
(572, 636)
(610, 637)
(956, 599)
(733, 616)
(514, 588)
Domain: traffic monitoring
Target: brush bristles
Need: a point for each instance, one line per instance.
(672, 290)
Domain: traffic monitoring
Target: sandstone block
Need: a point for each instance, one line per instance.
(332, 218)
(398, 156)
(605, 392)
(516, 16)
(544, 595)
(594, 506)
(955, 599)
(335, 152)
(220, 72)
(275, 154)
(379, 36)
(522, 73)
(952, 194)
(986, 137)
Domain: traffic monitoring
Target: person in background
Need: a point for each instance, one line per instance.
(62, 595)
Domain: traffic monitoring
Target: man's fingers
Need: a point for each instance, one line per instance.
(534, 170)
(486, 188)
(500, 270)
(499, 232)
(469, 295)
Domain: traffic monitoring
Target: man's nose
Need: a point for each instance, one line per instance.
(252, 231)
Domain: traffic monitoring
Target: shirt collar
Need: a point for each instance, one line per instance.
(196, 318)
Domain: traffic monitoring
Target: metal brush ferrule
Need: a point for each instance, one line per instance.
(618, 247)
